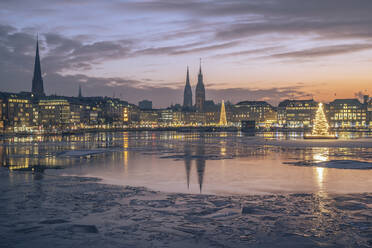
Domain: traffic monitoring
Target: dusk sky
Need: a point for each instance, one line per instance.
(250, 49)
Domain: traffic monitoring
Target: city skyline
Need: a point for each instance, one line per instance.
(246, 56)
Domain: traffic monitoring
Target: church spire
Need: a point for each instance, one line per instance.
(187, 76)
(37, 80)
(187, 94)
(200, 70)
(200, 92)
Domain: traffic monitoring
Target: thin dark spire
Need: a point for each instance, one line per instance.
(37, 80)
(187, 94)
(187, 76)
(200, 70)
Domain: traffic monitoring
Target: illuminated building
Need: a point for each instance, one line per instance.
(149, 117)
(212, 117)
(18, 112)
(1, 116)
(126, 116)
(178, 118)
(259, 111)
(296, 113)
(54, 113)
(166, 116)
(194, 118)
(347, 113)
(368, 106)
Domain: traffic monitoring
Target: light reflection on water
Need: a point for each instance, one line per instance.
(222, 163)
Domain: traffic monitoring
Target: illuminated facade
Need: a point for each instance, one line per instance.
(296, 113)
(347, 113)
(54, 113)
(368, 106)
(261, 112)
(1, 116)
(18, 113)
(149, 117)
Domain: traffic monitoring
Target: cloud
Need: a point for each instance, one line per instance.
(77, 37)
(249, 52)
(273, 95)
(324, 51)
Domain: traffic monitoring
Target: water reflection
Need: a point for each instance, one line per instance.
(200, 164)
(135, 157)
(188, 160)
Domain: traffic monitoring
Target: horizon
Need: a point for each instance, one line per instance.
(256, 50)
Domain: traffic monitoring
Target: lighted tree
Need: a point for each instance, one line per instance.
(320, 127)
(223, 121)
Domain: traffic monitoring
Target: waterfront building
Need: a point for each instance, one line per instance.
(54, 113)
(347, 113)
(149, 117)
(19, 113)
(261, 112)
(369, 114)
(1, 116)
(296, 113)
(200, 92)
(166, 116)
(212, 117)
(194, 118)
(187, 94)
(178, 118)
(37, 80)
(145, 105)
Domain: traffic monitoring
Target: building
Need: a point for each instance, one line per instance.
(187, 94)
(200, 92)
(1, 116)
(194, 118)
(145, 105)
(347, 114)
(296, 113)
(19, 113)
(149, 117)
(37, 80)
(261, 112)
(368, 106)
(166, 117)
(54, 113)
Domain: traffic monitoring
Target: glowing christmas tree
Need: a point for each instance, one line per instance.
(320, 127)
(223, 121)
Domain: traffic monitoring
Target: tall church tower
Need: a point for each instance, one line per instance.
(187, 94)
(37, 80)
(200, 92)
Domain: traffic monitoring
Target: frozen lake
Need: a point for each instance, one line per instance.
(210, 163)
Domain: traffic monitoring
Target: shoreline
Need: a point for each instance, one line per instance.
(172, 129)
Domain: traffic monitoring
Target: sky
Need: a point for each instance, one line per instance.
(250, 49)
